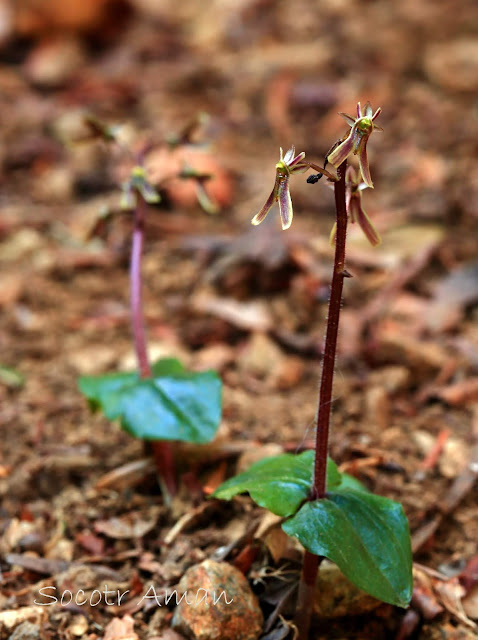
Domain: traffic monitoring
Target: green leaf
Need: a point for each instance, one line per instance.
(172, 405)
(350, 482)
(279, 484)
(366, 536)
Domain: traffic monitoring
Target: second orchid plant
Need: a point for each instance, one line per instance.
(331, 513)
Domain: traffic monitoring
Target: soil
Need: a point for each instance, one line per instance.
(250, 302)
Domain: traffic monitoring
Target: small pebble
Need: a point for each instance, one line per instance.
(26, 631)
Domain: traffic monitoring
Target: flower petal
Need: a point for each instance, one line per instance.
(359, 110)
(285, 203)
(364, 168)
(128, 198)
(342, 152)
(297, 160)
(205, 202)
(353, 206)
(351, 176)
(348, 119)
(148, 192)
(366, 225)
(289, 156)
(300, 168)
(377, 128)
(259, 217)
(367, 110)
(377, 113)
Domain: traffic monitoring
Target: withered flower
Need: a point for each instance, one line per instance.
(356, 141)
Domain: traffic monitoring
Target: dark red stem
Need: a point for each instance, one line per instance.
(330, 349)
(162, 451)
(311, 562)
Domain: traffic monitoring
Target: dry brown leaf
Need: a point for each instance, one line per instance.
(78, 626)
(120, 629)
(460, 393)
(250, 316)
(131, 525)
(11, 619)
(128, 475)
(470, 603)
(451, 593)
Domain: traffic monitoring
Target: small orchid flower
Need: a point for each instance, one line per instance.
(287, 165)
(354, 187)
(138, 185)
(356, 141)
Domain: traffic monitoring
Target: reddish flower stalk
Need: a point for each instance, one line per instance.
(311, 562)
(136, 301)
(162, 451)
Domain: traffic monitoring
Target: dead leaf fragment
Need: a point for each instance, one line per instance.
(120, 629)
(451, 593)
(128, 475)
(456, 290)
(165, 165)
(9, 620)
(78, 626)
(470, 603)
(53, 61)
(460, 393)
(249, 316)
(453, 65)
(130, 525)
(454, 457)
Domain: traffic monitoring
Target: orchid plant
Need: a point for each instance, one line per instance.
(161, 402)
(329, 512)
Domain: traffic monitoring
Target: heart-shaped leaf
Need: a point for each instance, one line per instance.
(279, 484)
(366, 536)
(172, 405)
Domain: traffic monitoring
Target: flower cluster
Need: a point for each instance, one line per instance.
(355, 142)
